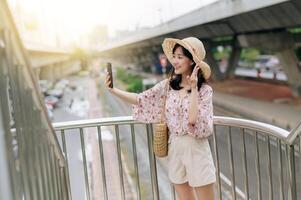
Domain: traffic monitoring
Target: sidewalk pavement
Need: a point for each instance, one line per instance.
(284, 116)
(256, 101)
(111, 161)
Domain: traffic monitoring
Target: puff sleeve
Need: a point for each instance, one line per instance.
(150, 104)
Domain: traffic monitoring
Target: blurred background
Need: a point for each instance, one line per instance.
(53, 58)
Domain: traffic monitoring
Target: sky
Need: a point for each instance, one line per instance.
(76, 17)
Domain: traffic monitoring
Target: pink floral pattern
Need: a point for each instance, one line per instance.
(150, 103)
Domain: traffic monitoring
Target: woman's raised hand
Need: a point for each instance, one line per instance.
(193, 78)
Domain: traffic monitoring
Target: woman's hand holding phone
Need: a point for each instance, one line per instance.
(126, 96)
(109, 77)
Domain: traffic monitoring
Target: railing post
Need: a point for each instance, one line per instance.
(83, 148)
(102, 161)
(299, 153)
(219, 189)
(152, 162)
(245, 163)
(281, 192)
(135, 162)
(8, 185)
(292, 193)
(120, 168)
(65, 170)
(269, 169)
(233, 184)
(258, 173)
(5, 182)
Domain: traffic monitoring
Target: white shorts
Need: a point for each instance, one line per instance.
(190, 160)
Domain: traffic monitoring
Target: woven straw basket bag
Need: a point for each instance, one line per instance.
(160, 142)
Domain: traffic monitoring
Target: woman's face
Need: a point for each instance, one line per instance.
(181, 63)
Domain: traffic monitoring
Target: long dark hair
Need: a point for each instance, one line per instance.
(175, 79)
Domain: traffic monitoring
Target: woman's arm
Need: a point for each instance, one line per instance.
(203, 126)
(126, 96)
(193, 109)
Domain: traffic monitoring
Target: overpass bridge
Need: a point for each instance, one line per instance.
(51, 63)
(262, 24)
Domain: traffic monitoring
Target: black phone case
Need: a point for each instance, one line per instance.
(109, 69)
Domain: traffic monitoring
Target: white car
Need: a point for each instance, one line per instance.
(62, 84)
(56, 92)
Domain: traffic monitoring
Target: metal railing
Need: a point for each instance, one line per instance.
(63, 127)
(33, 163)
(272, 151)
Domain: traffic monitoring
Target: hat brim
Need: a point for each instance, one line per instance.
(168, 45)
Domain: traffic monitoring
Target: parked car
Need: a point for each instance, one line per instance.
(62, 84)
(56, 93)
(72, 86)
(45, 85)
(49, 107)
(51, 100)
(267, 63)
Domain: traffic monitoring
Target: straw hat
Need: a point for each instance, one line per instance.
(194, 46)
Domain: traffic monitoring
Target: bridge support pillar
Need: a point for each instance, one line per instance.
(47, 73)
(37, 73)
(289, 63)
(216, 73)
(57, 71)
(146, 61)
(156, 61)
(150, 60)
(233, 60)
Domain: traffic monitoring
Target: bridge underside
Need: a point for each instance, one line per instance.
(270, 24)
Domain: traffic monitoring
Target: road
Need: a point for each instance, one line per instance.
(64, 113)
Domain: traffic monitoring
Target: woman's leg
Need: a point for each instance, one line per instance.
(184, 191)
(205, 192)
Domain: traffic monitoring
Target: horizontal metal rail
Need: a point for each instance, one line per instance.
(217, 120)
(94, 122)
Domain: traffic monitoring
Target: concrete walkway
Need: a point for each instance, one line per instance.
(111, 160)
(257, 101)
(284, 116)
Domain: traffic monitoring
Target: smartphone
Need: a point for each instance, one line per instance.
(109, 70)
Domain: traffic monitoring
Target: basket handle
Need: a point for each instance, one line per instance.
(164, 100)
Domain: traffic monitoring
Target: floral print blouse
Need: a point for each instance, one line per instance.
(150, 106)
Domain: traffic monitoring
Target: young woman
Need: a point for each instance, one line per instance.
(189, 117)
